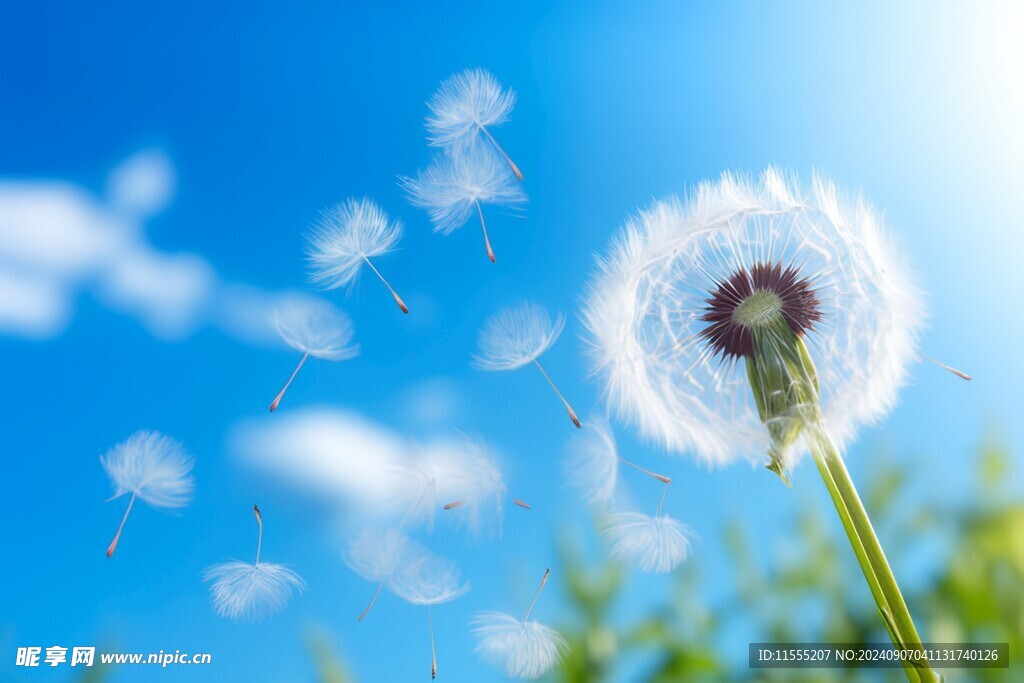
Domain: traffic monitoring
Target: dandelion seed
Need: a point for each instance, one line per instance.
(346, 237)
(465, 105)
(653, 544)
(314, 328)
(378, 555)
(760, 320)
(959, 373)
(514, 337)
(459, 503)
(460, 476)
(429, 580)
(593, 464)
(152, 467)
(455, 187)
(249, 592)
(523, 648)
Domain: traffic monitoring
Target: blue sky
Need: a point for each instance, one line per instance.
(251, 118)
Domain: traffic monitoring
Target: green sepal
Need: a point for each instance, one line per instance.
(784, 383)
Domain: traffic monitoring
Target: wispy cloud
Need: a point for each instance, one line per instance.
(374, 472)
(58, 242)
(329, 452)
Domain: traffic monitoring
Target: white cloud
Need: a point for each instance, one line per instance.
(32, 305)
(58, 241)
(371, 471)
(431, 402)
(56, 229)
(331, 453)
(142, 185)
(168, 293)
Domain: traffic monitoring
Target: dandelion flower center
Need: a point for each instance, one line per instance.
(757, 309)
(754, 298)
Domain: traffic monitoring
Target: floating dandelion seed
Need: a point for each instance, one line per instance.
(523, 648)
(459, 503)
(948, 368)
(152, 467)
(250, 592)
(315, 328)
(455, 187)
(429, 580)
(757, 320)
(346, 237)
(465, 105)
(378, 555)
(652, 544)
(593, 464)
(461, 476)
(514, 337)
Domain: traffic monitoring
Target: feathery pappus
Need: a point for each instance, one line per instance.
(592, 465)
(518, 336)
(465, 106)
(523, 648)
(250, 592)
(429, 580)
(346, 237)
(457, 185)
(313, 328)
(151, 467)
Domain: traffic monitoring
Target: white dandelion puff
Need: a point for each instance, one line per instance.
(314, 328)
(249, 592)
(457, 185)
(463, 108)
(378, 555)
(759, 319)
(429, 580)
(514, 337)
(523, 648)
(152, 467)
(346, 237)
(460, 475)
(592, 465)
(653, 544)
(660, 320)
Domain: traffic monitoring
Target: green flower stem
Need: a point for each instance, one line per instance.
(784, 382)
(868, 551)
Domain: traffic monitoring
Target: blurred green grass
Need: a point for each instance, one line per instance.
(973, 593)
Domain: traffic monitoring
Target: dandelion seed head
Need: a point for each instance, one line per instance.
(250, 592)
(514, 337)
(152, 466)
(667, 336)
(592, 465)
(524, 650)
(465, 102)
(345, 236)
(428, 580)
(652, 544)
(453, 186)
